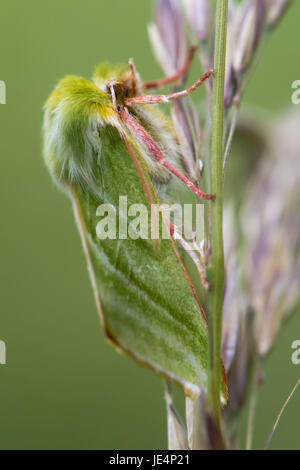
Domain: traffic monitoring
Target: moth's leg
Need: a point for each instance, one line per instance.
(173, 78)
(143, 136)
(185, 273)
(189, 250)
(110, 85)
(154, 99)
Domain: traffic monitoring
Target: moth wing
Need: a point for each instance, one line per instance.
(146, 305)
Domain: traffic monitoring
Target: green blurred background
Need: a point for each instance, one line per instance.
(63, 387)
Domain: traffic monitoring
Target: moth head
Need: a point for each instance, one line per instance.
(127, 83)
(74, 115)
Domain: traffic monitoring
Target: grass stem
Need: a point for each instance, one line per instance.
(216, 176)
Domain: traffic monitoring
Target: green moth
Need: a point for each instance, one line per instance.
(103, 139)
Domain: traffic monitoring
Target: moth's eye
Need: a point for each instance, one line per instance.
(117, 86)
(129, 91)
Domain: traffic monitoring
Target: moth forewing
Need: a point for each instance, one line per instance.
(137, 288)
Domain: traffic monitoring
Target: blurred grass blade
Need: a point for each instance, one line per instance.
(177, 438)
(280, 414)
(195, 419)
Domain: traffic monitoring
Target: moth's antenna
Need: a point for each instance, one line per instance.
(135, 161)
(144, 183)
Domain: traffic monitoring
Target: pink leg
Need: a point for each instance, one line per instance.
(154, 99)
(173, 78)
(153, 148)
(113, 94)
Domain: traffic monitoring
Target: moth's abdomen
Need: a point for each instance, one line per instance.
(74, 115)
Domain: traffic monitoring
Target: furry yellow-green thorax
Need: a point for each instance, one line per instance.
(80, 111)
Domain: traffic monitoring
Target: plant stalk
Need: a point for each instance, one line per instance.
(216, 271)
